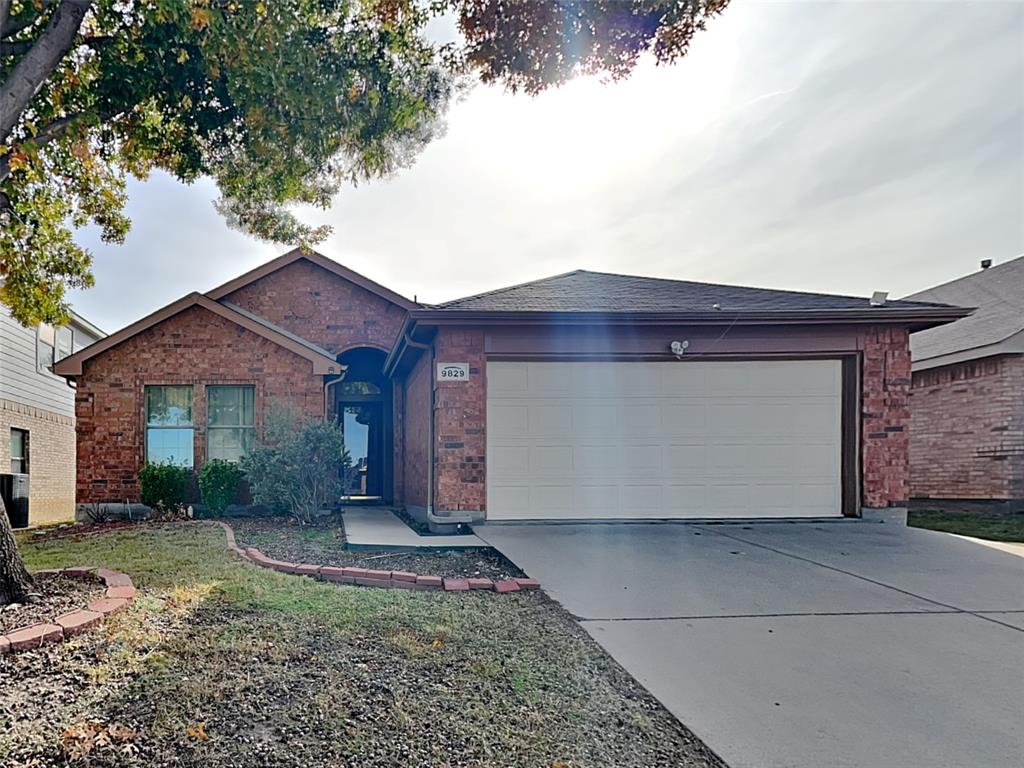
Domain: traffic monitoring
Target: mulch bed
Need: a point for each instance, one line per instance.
(282, 539)
(52, 596)
(77, 530)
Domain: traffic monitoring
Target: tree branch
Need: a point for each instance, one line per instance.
(12, 49)
(53, 131)
(24, 82)
(11, 28)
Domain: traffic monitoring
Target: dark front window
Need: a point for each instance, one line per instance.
(19, 451)
(230, 422)
(169, 429)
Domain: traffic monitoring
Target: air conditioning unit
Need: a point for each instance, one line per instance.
(14, 492)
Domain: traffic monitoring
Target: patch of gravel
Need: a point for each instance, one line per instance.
(283, 539)
(52, 596)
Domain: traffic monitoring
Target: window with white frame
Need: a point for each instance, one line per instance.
(46, 342)
(169, 429)
(230, 421)
(19, 451)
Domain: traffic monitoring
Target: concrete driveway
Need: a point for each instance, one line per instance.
(845, 644)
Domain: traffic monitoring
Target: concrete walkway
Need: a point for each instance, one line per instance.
(803, 645)
(378, 528)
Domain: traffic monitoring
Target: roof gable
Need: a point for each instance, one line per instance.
(321, 261)
(998, 294)
(322, 360)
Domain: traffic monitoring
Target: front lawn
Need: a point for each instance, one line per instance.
(1009, 527)
(219, 663)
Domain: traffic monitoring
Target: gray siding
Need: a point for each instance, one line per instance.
(20, 380)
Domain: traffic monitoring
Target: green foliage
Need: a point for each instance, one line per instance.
(219, 481)
(298, 468)
(162, 486)
(280, 103)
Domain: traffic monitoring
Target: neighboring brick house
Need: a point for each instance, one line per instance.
(37, 412)
(585, 395)
(967, 398)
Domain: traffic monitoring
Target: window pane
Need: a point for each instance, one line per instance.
(64, 342)
(169, 446)
(229, 406)
(169, 406)
(17, 443)
(229, 444)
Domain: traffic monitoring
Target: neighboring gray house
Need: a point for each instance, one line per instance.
(37, 411)
(967, 395)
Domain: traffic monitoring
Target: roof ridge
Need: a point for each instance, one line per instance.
(727, 285)
(503, 289)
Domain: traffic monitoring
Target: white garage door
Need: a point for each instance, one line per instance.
(663, 440)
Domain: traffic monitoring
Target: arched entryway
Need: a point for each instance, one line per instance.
(364, 411)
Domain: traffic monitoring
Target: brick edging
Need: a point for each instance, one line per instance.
(366, 577)
(120, 592)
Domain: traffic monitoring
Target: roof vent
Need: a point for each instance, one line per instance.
(986, 263)
(878, 298)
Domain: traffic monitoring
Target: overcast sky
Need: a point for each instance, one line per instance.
(818, 146)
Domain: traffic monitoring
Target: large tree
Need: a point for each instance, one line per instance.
(280, 102)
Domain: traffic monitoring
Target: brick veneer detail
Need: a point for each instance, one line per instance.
(967, 430)
(322, 307)
(885, 416)
(460, 413)
(195, 347)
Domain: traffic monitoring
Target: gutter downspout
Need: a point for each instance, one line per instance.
(431, 479)
(327, 387)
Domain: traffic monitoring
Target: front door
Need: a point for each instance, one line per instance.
(362, 423)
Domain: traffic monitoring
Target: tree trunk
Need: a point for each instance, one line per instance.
(15, 583)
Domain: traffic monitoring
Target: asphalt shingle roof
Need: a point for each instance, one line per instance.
(998, 294)
(585, 291)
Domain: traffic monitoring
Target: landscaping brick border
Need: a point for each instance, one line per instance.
(120, 592)
(365, 577)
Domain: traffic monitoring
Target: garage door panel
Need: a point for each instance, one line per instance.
(550, 419)
(696, 439)
(602, 498)
(642, 460)
(508, 420)
(684, 419)
(642, 420)
(509, 460)
(552, 459)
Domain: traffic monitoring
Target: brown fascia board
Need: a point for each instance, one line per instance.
(918, 318)
(321, 261)
(72, 365)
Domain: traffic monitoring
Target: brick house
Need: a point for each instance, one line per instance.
(37, 414)
(967, 394)
(585, 395)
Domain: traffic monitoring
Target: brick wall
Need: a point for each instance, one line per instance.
(195, 347)
(51, 459)
(460, 414)
(322, 307)
(416, 434)
(885, 417)
(967, 430)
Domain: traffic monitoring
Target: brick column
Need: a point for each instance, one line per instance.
(885, 417)
(460, 413)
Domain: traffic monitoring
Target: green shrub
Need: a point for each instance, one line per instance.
(162, 486)
(218, 481)
(298, 468)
